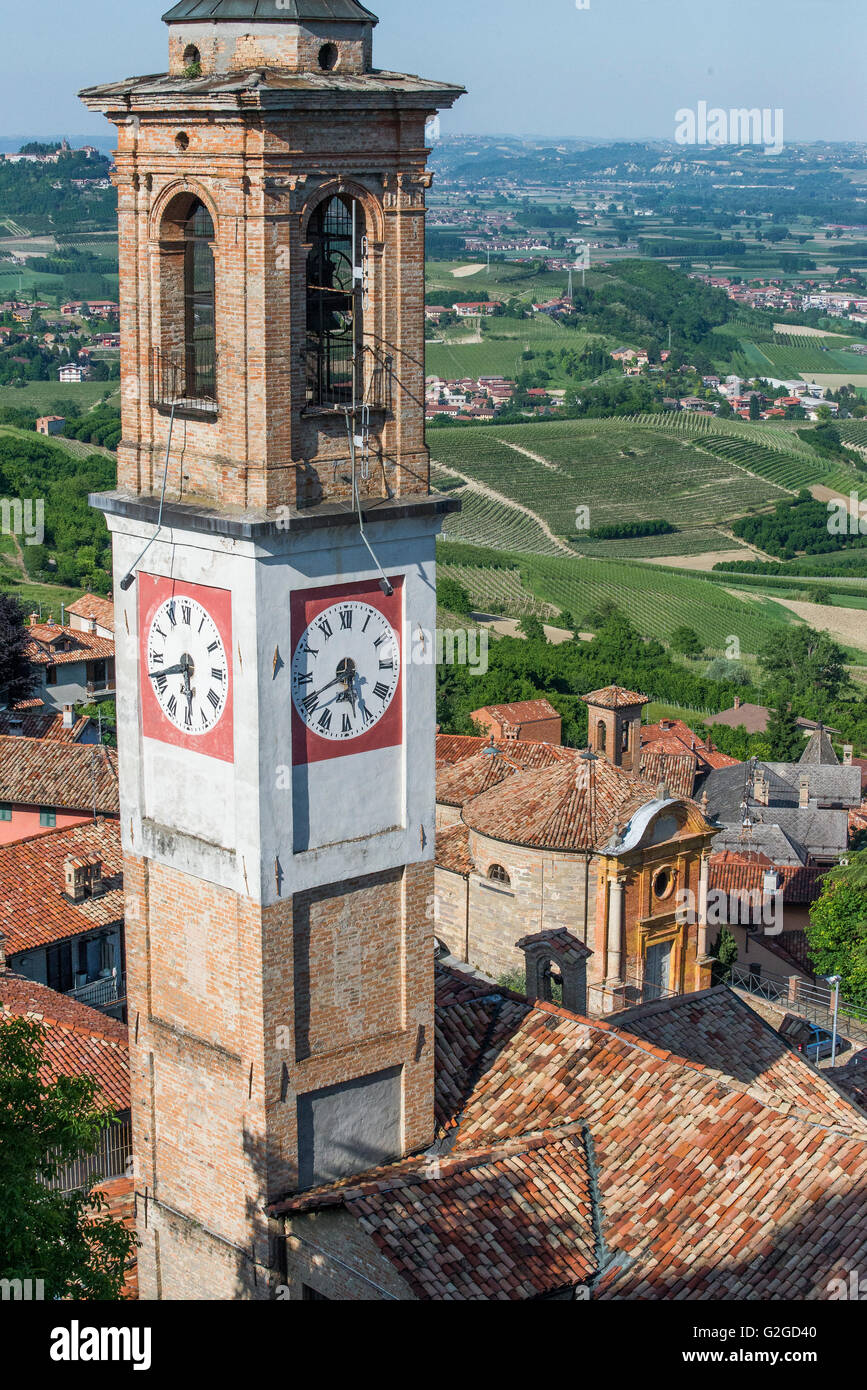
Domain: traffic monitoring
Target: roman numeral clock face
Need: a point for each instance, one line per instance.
(185, 641)
(188, 666)
(345, 678)
(345, 671)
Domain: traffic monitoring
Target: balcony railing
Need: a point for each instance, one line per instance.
(110, 1160)
(185, 381)
(104, 993)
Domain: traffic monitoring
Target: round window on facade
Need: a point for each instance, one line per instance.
(497, 874)
(328, 57)
(663, 883)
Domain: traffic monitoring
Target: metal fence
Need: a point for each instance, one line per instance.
(110, 1159)
(101, 994)
(187, 381)
(815, 1002)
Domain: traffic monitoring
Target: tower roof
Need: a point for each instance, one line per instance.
(294, 11)
(820, 750)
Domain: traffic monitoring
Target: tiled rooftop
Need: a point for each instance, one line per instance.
(52, 645)
(34, 910)
(79, 1040)
(43, 772)
(726, 1167)
(615, 697)
(574, 805)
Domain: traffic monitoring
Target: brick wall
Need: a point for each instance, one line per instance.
(257, 179)
(235, 1012)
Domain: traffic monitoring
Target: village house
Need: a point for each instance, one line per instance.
(534, 721)
(61, 911)
(35, 719)
(475, 308)
(73, 373)
(50, 424)
(47, 784)
(90, 613)
(74, 666)
(80, 1040)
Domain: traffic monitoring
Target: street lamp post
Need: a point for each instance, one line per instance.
(836, 981)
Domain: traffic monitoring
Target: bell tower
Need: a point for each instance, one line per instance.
(273, 532)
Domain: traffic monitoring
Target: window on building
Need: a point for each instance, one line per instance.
(5, 810)
(313, 1295)
(58, 963)
(47, 817)
(51, 675)
(334, 318)
(624, 738)
(98, 672)
(601, 735)
(199, 303)
(498, 874)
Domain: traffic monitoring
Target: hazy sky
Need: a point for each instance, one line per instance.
(618, 69)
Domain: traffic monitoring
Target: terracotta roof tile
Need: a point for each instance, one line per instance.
(38, 720)
(453, 850)
(520, 711)
(33, 908)
(615, 697)
(79, 1040)
(75, 776)
(52, 645)
(92, 606)
(725, 1166)
(575, 805)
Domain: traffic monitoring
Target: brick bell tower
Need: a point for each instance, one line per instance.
(274, 535)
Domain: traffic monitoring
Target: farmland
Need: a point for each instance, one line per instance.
(673, 468)
(500, 351)
(790, 361)
(657, 600)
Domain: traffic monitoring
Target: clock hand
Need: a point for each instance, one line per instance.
(168, 671)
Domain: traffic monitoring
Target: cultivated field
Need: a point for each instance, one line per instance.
(687, 470)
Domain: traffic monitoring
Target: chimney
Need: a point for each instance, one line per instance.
(737, 702)
(761, 788)
(75, 879)
(15, 725)
(68, 717)
(34, 619)
(82, 879)
(552, 954)
(848, 751)
(92, 621)
(804, 790)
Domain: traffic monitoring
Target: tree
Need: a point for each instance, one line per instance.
(755, 408)
(17, 677)
(784, 735)
(725, 952)
(453, 597)
(686, 641)
(532, 628)
(727, 672)
(800, 661)
(67, 1239)
(837, 930)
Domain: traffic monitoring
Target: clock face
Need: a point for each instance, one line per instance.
(187, 665)
(346, 670)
